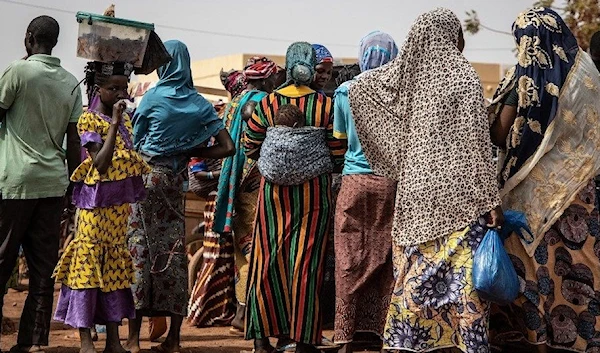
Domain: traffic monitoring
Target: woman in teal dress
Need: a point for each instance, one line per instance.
(239, 180)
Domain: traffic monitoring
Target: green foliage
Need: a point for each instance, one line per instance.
(472, 24)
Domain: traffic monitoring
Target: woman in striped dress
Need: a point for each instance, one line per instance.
(292, 222)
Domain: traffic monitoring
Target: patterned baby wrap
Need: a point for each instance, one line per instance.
(292, 156)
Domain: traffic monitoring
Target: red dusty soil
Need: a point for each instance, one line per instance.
(64, 339)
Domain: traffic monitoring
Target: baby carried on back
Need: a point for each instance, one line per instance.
(292, 153)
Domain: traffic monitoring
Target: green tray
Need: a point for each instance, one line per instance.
(90, 17)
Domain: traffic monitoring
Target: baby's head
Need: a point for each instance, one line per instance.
(289, 115)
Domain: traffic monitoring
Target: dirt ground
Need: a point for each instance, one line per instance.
(64, 339)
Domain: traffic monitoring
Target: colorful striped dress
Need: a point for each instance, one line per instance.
(290, 233)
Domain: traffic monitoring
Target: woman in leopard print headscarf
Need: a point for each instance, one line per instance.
(421, 121)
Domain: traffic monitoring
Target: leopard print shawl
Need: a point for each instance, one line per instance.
(421, 121)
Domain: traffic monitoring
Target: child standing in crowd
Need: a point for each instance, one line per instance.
(96, 269)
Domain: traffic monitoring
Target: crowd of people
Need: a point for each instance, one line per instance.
(412, 138)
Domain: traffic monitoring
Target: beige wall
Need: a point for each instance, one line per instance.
(490, 75)
(206, 72)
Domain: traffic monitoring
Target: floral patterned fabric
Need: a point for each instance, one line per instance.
(560, 290)
(434, 304)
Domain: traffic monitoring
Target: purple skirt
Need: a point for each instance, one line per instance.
(83, 308)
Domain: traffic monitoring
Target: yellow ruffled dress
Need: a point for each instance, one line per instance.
(98, 256)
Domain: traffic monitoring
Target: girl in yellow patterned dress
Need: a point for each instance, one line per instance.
(96, 269)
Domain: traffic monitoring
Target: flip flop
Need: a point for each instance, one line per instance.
(328, 345)
(290, 347)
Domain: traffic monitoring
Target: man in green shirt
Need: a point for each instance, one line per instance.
(40, 103)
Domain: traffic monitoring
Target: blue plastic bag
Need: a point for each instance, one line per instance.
(515, 222)
(494, 275)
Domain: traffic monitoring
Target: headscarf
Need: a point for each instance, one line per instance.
(546, 53)
(172, 117)
(300, 62)
(259, 68)
(237, 167)
(323, 54)
(376, 49)
(421, 121)
(234, 82)
(553, 148)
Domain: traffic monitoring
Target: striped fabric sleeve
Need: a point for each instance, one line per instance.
(336, 146)
(256, 130)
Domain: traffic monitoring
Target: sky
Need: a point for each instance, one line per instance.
(216, 28)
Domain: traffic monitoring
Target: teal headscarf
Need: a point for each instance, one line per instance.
(300, 62)
(172, 116)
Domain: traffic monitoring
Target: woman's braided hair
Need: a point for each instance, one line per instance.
(92, 79)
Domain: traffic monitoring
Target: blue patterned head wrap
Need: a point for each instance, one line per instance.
(300, 62)
(323, 54)
(376, 49)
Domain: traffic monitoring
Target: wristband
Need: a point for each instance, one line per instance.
(210, 175)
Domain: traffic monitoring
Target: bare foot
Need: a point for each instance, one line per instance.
(8, 326)
(167, 347)
(262, 345)
(116, 348)
(157, 326)
(87, 349)
(26, 349)
(133, 347)
(262, 350)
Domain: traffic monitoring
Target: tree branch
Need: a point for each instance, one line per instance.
(494, 30)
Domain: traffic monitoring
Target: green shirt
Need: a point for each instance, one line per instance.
(41, 99)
